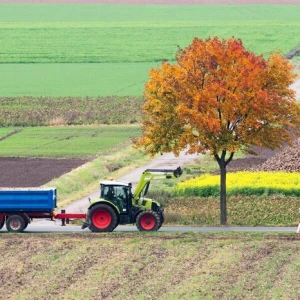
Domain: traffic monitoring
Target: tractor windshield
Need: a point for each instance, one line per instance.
(117, 194)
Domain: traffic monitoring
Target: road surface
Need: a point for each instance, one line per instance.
(50, 226)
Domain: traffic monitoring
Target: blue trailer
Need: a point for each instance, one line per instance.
(28, 199)
(19, 206)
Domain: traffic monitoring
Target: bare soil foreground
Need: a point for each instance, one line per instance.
(149, 266)
(162, 2)
(26, 172)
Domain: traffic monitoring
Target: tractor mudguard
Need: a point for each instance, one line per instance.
(98, 201)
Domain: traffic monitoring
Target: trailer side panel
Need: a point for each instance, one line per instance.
(25, 200)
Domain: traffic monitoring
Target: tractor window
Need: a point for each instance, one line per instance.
(119, 195)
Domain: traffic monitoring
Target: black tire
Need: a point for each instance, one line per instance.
(15, 223)
(26, 223)
(160, 225)
(162, 219)
(148, 220)
(103, 218)
(1, 224)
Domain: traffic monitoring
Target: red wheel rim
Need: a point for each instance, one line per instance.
(101, 218)
(15, 224)
(148, 222)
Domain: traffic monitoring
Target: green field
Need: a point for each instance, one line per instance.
(131, 42)
(72, 80)
(101, 50)
(144, 13)
(65, 141)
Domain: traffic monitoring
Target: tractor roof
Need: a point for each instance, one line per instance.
(113, 182)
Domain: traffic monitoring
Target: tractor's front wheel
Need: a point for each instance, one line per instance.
(103, 218)
(148, 220)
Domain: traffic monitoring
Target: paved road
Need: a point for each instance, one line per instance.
(296, 86)
(49, 226)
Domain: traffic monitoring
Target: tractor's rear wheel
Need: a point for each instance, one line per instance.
(15, 223)
(103, 218)
(148, 220)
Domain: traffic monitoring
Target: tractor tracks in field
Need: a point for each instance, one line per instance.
(293, 53)
(10, 134)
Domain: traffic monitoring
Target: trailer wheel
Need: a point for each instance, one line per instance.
(26, 223)
(103, 218)
(148, 220)
(15, 223)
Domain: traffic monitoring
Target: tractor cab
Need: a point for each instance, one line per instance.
(117, 192)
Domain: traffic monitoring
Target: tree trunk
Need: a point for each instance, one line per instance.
(222, 164)
(223, 207)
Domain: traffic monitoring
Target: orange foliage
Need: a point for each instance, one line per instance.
(219, 97)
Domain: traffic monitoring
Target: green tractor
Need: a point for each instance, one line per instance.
(118, 205)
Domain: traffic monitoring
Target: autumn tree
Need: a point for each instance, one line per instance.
(219, 98)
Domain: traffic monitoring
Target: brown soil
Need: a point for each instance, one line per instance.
(164, 266)
(285, 160)
(26, 172)
(252, 162)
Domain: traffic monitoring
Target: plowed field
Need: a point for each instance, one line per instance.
(26, 172)
(152, 266)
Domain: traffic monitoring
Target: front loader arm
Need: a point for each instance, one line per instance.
(152, 174)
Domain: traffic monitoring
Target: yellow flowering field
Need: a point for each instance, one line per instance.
(246, 183)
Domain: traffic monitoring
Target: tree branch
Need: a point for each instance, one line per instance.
(229, 159)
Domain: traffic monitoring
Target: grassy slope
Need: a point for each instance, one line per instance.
(170, 266)
(124, 35)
